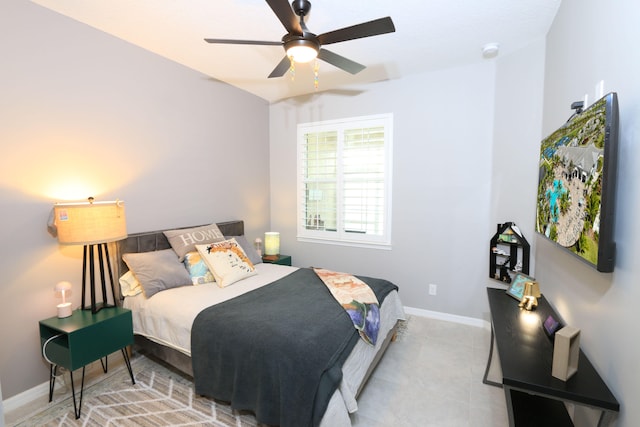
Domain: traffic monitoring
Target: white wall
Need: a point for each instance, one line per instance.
(83, 113)
(73, 99)
(591, 41)
(443, 130)
(465, 144)
(517, 135)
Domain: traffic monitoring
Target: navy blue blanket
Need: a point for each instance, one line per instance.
(278, 350)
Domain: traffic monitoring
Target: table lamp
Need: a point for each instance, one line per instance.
(93, 225)
(271, 245)
(64, 308)
(530, 296)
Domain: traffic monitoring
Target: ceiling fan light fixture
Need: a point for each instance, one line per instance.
(301, 50)
(301, 45)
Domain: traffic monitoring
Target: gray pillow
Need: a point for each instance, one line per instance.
(184, 240)
(157, 271)
(248, 249)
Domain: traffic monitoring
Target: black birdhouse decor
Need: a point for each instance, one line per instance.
(508, 253)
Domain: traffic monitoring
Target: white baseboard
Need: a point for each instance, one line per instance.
(470, 321)
(40, 391)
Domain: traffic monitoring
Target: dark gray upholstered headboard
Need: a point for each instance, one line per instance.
(156, 240)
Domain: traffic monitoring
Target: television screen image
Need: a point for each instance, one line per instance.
(577, 182)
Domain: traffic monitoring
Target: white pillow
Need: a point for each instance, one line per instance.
(129, 285)
(227, 261)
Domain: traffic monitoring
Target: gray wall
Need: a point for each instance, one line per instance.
(74, 99)
(463, 141)
(83, 113)
(516, 145)
(441, 173)
(591, 41)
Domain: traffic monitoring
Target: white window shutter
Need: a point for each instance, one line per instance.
(344, 183)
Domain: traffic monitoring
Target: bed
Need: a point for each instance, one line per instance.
(168, 334)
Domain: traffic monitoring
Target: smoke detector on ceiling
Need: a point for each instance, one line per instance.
(490, 50)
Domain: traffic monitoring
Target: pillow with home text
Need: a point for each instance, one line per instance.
(184, 240)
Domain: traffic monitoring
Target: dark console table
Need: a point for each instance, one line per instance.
(534, 397)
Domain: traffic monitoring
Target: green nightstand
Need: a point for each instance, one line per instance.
(75, 341)
(281, 259)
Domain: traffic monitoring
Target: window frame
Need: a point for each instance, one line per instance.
(342, 237)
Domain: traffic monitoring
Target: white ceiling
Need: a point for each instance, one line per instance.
(430, 34)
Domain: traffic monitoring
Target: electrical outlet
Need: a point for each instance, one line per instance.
(433, 289)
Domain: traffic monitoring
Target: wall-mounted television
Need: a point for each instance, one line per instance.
(577, 184)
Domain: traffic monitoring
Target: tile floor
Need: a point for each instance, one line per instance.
(432, 376)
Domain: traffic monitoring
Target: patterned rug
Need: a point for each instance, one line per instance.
(160, 397)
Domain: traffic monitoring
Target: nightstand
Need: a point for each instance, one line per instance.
(281, 259)
(75, 341)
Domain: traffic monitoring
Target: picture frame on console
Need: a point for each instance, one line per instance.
(551, 326)
(516, 287)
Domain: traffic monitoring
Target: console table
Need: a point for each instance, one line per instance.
(534, 397)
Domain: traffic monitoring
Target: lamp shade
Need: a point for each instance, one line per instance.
(271, 243)
(62, 287)
(300, 49)
(89, 223)
(302, 53)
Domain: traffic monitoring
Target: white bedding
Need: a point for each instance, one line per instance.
(166, 318)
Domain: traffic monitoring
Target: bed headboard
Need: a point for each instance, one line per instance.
(156, 240)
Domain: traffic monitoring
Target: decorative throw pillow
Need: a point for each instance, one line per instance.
(247, 248)
(227, 261)
(157, 271)
(129, 285)
(197, 268)
(185, 240)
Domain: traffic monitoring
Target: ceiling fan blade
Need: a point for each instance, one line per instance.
(285, 14)
(281, 68)
(340, 61)
(366, 29)
(256, 42)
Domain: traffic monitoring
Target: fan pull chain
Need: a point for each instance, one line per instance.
(292, 69)
(316, 67)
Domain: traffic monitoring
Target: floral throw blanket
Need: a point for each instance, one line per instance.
(357, 298)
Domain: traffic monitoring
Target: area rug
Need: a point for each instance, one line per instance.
(160, 397)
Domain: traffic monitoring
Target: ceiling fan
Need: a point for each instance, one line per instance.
(301, 45)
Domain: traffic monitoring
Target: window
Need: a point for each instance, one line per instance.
(344, 181)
